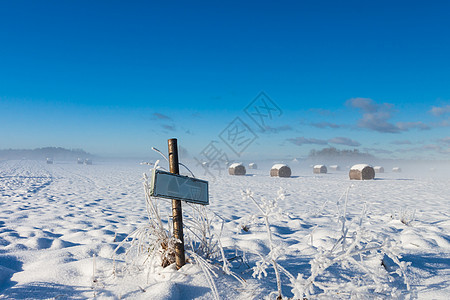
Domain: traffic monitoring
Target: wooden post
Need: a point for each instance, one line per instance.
(176, 207)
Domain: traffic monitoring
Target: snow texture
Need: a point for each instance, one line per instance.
(60, 224)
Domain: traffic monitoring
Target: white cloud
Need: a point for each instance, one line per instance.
(410, 125)
(402, 142)
(439, 111)
(276, 129)
(344, 141)
(445, 140)
(159, 116)
(302, 140)
(365, 104)
(326, 124)
(337, 140)
(377, 117)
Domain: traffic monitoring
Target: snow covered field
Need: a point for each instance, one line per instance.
(60, 224)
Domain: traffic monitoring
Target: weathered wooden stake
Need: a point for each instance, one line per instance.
(176, 207)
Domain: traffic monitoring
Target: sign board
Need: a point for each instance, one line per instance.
(172, 186)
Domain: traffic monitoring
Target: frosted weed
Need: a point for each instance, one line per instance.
(152, 245)
(361, 263)
(407, 216)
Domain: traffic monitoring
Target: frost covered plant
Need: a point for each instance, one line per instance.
(152, 239)
(199, 237)
(357, 272)
(267, 209)
(155, 239)
(153, 244)
(360, 264)
(407, 216)
(355, 266)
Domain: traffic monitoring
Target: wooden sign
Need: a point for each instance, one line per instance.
(172, 186)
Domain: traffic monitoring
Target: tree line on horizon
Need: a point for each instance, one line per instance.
(42, 153)
(334, 152)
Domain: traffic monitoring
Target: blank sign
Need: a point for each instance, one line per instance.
(172, 186)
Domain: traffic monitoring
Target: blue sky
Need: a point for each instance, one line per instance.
(116, 78)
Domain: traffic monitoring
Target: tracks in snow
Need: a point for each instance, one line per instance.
(21, 179)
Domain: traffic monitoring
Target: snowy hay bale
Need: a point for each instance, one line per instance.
(362, 172)
(80, 161)
(280, 170)
(236, 169)
(378, 169)
(252, 166)
(318, 169)
(335, 168)
(49, 161)
(396, 169)
(87, 161)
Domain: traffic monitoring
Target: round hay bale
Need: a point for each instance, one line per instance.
(252, 166)
(236, 169)
(79, 161)
(87, 161)
(397, 170)
(318, 169)
(378, 169)
(49, 160)
(280, 170)
(362, 172)
(335, 168)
